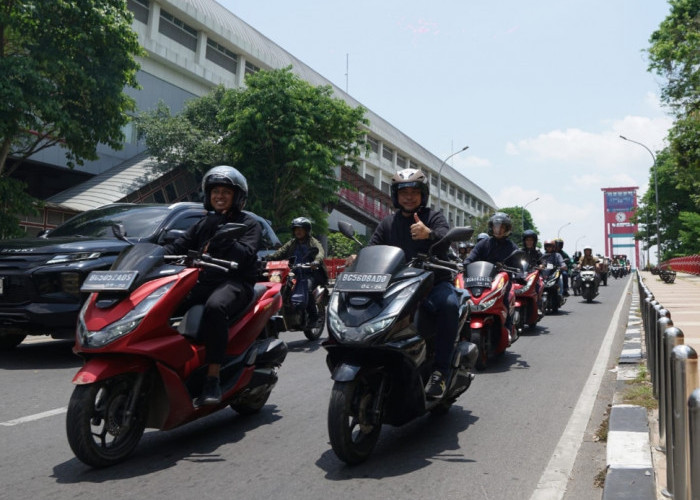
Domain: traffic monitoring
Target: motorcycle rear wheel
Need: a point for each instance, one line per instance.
(352, 428)
(252, 405)
(99, 431)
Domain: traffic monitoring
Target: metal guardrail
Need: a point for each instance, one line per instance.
(673, 368)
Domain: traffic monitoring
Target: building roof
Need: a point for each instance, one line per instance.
(110, 186)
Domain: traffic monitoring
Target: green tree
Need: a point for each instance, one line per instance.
(285, 135)
(288, 137)
(64, 66)
(13, 197)
(516, 214)
(340, 247)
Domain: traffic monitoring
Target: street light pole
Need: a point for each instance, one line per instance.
(559, 231)
(522, 224)
(576, 244)
(656, 194)
(440, 174)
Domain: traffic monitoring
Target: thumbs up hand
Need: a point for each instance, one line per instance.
(419, 231)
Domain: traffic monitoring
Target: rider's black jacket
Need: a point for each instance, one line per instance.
(532, 255)
(491, 250)
(243, 250)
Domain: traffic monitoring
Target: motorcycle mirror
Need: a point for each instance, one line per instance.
(312, 253)
(348, 231)
(229, 231)
(516, 256)
(459, 233)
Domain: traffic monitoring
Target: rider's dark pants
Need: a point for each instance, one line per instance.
(443, 307)
(221, 302)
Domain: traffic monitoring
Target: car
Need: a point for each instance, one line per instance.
(40, 278)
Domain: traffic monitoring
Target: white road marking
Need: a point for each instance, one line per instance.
(36, 416)
(552, 484)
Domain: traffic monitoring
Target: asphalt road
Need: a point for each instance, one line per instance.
(505, 438)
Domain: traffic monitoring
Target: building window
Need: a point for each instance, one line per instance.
(369, 178)
(373, 144)
(400, 161)
(443, 185)
(388, 153)
(460, 195)
(218, 54)
(452, 190)
(433, 180)
(414, 165)
(140, 10)
(386, 188)
(250, 68)
(177, 30)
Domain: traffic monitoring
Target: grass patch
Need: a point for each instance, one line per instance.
(602, 433)
(640, 391)
(599, 480)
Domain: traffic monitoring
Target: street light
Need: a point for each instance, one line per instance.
(576, 244)
(559, 231)
(440, 174)
(522, 225)
(656, 192)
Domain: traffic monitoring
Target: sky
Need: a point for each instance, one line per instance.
(540, 91)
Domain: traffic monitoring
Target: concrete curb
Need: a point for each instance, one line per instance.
(630, 470)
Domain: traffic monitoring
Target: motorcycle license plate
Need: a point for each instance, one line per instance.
(362, 282)
(108, 281)
(477, 281)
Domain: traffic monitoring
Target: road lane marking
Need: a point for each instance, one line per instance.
(36, 416)
(554, 479)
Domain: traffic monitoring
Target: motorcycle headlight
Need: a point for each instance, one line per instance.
(73, 257)
(530, 282)
(482, 306)
(121, 327)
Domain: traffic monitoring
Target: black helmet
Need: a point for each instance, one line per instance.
(529, 234)
(224, 175)
(409, 177)
(302, 222)
(482, 236)
(503, 219)
(559, 242)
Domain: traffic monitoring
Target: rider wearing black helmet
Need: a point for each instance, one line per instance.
(300, 247)
(414, 228)
(224, 294)
(567, 260)
(496, 248)
(532, 254)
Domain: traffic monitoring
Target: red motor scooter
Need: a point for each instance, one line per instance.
(527, 287)
(487, 284)
(143, 364)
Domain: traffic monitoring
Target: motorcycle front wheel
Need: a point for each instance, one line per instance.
(315, 333)
(100, 430)
(480, 337)
(353, 428)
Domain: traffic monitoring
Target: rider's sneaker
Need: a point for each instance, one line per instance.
(436, 386)
(211, 393)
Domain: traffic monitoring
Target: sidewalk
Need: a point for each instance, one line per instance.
(636, 467)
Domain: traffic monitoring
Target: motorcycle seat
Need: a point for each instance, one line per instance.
(189, 325)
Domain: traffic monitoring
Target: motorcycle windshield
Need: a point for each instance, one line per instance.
(480, 268)
(142, 257)
(380, 259)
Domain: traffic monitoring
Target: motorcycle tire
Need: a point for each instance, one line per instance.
(480, 337)
(252, 405)
(352, 428)
(315, 333)
(97, 432)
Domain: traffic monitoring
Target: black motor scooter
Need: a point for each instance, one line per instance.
(380, 347)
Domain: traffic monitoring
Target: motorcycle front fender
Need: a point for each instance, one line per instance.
(345, 372)
(476, 323)
(97, 369)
